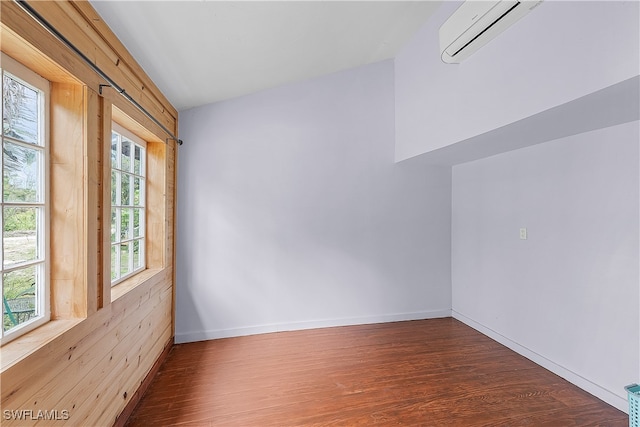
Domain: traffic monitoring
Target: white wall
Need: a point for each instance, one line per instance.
(559, 52)
(293, 214)
(567, 297)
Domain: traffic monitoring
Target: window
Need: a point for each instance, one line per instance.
(128, 185)
(24, 200)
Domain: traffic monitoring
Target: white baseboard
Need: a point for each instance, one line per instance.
(613, 399)
(184, 337)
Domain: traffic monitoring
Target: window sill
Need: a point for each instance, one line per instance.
(21, 347)
(132, 282)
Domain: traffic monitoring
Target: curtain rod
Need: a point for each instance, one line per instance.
(111, 83)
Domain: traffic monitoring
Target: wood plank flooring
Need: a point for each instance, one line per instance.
(435, 372)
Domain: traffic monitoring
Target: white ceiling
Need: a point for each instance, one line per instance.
(198, 52)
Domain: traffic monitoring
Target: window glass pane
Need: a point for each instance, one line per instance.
(125, 258)
(21, 173)
(115, 176)
(19, 291)
(114, 151)
(125, 190)
(115, 221)
(20, 238)
(138, 224)
(125, 159)
(115, 257)
(125, 224)
(19, 111)
(137, 254)
(138, 198)
(137, 161)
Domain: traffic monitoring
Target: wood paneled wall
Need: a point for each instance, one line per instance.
(88, 362)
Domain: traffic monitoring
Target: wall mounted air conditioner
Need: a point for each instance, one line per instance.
(475, 23)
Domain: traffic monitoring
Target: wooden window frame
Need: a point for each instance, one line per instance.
(124, 132)
(155, 202)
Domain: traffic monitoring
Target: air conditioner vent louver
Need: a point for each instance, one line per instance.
(475, 23)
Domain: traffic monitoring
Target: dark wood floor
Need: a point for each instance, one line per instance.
(422, 373)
